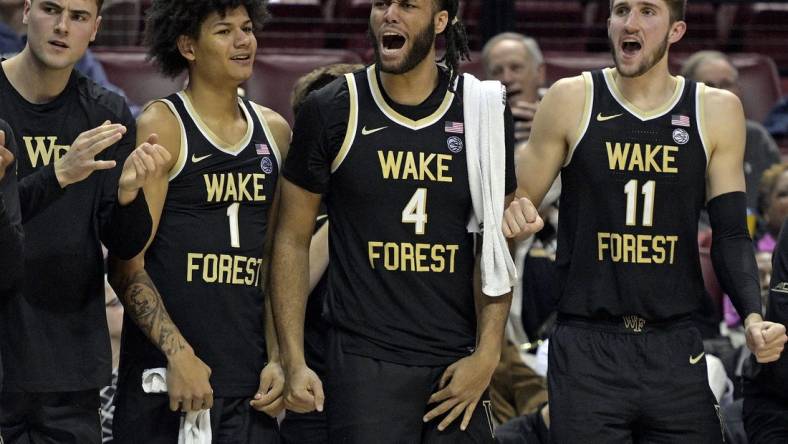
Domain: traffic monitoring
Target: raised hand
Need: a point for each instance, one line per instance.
(147, 162)
(79, 161)
(765, 339)
(521, 219)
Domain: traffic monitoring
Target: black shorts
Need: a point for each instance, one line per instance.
(765, 419)
(62, 417)
(374, 401)
(146, 418)
(613, 382)
(304, 428)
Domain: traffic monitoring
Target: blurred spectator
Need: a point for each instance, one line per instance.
(715, 69)
(107, 394)
(516, 61)
(772, 205)
(777, 120)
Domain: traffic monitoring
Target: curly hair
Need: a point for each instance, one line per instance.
(169, 19)
(456, 39)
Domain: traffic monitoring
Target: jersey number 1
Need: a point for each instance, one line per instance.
(631, 190)
(232, 214)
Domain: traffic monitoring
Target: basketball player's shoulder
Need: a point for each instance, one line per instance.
(157, 117)
(723, 102)
(279, 127)
(565, 102)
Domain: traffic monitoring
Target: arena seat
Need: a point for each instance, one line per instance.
(556, 25)
(294, 24)
(276, 71)
(121, 22)
(767, 31)
(136, 76)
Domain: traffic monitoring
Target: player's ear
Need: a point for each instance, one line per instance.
(186, 47)
(440, 21)
(677, 30)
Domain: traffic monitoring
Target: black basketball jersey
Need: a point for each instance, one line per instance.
(400, 279)
(206, 258)
(633, 188)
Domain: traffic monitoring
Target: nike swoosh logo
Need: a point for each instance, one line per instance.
(366, 132)
(696, 359)
(196, 159)
(601, 118)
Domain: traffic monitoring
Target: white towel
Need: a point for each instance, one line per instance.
(483, 105)
(195, 427)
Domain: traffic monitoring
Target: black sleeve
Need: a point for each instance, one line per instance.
(732, 253)
(38, 190)
(124, 230)
(318, 133)
(511, 174)
(11, 259)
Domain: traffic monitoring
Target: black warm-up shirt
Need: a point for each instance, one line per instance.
(53, 329)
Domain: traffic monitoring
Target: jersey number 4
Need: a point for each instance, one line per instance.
(415, 211)
(631, 190)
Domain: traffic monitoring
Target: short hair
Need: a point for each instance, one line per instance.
(678, 9)
(169, 19)
(690, 68)
(531, 47)
(316, 79)
(767, 184)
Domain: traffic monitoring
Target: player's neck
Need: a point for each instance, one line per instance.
(650, 90)
(413, 87)
(33, 80)
(214, 103)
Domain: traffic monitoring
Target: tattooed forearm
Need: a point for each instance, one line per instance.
(143, 303)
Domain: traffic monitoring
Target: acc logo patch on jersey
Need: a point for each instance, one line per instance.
(680, 136)
(455, 144)
(266, 165)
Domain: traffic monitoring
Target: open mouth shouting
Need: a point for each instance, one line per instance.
(630, 47)
(391, 42)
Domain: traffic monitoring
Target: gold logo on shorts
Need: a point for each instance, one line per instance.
(634, 323)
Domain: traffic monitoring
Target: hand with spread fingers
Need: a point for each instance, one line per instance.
(79, 162)
(6, 157)
(269, 397)
(188, 384)
(765, 339)
(521, 219)
(461, 386)
(303, 390)
(146, 162)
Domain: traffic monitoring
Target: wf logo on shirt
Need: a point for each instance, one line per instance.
(45, 150)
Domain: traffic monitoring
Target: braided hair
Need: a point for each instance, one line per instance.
(456, 39)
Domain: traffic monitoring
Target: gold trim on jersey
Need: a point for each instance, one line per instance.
(632, 108)
(352, 123)
(424, 122)
(183, 152)
(258, 110)
(700, 118)
(216, 141)
(585, 120)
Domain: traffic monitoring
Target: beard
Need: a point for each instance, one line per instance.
(422, 45)
(645, 65)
